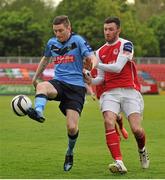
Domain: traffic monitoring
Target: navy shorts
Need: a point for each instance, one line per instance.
(70, 96)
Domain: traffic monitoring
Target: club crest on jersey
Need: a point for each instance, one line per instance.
(115, 51)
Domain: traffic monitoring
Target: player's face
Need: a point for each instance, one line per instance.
(111, 32)
(62, 32)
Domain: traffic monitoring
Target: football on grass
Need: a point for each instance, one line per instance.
(20, 104)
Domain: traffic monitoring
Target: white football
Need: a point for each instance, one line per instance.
(20, 104)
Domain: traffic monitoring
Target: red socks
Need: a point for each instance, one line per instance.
(113, 143)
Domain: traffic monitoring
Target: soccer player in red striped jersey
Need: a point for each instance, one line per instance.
(121, 92)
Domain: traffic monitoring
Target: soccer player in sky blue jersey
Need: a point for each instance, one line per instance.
(68, 58)
(67, 50)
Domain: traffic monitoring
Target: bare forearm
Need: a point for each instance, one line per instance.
(41, 67)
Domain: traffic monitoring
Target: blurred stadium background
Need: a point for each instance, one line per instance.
(30, 150)
(25, 27)
(16, 74)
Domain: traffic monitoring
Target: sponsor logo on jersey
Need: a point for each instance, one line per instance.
(63, 59)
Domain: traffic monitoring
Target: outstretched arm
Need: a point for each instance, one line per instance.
(126, 54)
(115, 67)
(41, 67)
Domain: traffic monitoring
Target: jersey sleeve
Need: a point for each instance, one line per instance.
(47, 52)
(127, 49)
(85, 48)
(99, 78)
(97, 55)
(125, 54)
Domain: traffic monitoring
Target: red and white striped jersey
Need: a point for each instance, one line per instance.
(127, 77)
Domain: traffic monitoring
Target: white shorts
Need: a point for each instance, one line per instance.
(125, 100)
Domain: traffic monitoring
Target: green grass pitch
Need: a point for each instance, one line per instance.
(30, 150)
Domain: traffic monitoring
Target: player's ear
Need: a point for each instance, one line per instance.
(119, 30)
(69, 28)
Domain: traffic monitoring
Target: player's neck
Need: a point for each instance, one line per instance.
(113, 42)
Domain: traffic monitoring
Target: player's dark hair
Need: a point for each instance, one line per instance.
(63, 19)
(115, 20)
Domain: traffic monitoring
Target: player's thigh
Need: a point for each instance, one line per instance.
(47, 88)
(132, 102)
(110, 101)
(135, 121)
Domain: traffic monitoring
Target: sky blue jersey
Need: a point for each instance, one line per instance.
(68, 58)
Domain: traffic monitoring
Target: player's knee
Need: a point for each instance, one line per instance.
(45, 88)
(137, 131)
(72, 129)
(109, 123)
(109, 119)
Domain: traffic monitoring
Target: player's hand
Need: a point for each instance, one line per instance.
(87, 76)
(88, 64)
